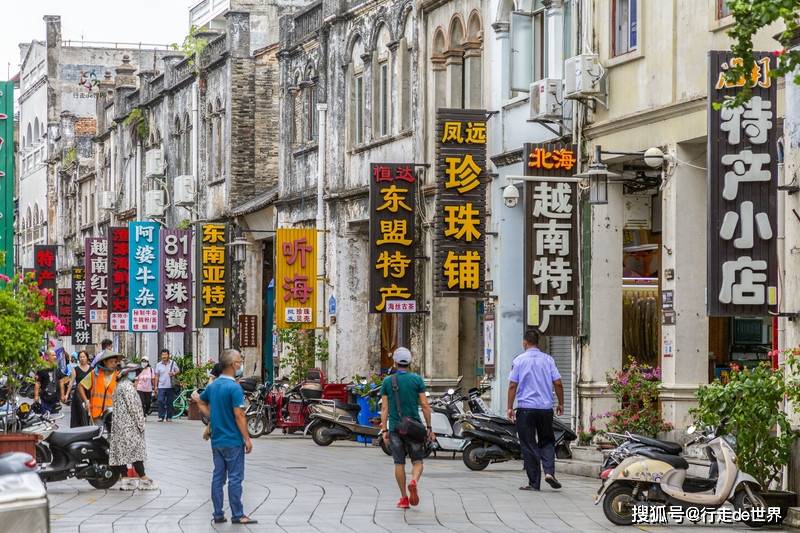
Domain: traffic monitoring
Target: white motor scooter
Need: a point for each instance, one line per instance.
(651, 478)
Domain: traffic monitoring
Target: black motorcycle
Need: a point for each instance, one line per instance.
(493, 439)
(80, 452)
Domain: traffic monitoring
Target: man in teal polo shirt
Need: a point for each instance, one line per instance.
(223, 402)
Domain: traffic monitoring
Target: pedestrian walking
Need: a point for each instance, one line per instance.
(126, 443)
(105, 347)
(166, 370)
(402, 395)
(77, 412)
(64, 377)
(46, 388)
(145, 382)
(97, 388)
(223, 402)
(533, 377)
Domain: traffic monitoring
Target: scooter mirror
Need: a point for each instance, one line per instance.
(690, 430)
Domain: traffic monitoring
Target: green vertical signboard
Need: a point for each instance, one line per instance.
(6, 178)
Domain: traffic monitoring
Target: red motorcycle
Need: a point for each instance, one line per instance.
(288, 407)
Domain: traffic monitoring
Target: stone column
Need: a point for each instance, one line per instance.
(454, 63)
(684, 346)
(473, 74)
(603, 351)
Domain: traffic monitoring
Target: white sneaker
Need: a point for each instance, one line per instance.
(128, 483)
(147, 484)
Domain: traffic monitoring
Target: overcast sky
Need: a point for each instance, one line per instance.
(145, 21)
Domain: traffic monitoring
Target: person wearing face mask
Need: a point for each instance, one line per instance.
(97, 388)
(223, 402)
(145, 382)
(126, 443)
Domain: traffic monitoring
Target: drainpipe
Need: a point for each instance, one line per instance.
(196, 348)
(321, 154)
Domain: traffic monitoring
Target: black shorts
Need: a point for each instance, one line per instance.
(402, 447)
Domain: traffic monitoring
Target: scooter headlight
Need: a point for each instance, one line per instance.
(731, 440)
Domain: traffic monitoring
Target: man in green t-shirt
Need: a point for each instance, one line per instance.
(411, 391)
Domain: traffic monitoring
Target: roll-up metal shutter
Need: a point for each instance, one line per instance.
(561, 350)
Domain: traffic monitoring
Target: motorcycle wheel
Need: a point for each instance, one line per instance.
(563, 452)
(255, 425)
(472, 462)
(105, 482)
(319, 437)
(618, 503)
(269, 422)
(743, 501)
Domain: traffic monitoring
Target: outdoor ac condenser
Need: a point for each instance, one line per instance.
(184, 190)
(106, 200)
(582, 76)
(153, 163)
(154, 204)
(545, 99)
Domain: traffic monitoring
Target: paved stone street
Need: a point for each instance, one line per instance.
(293, 485)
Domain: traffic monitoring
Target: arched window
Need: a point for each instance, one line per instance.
(473, 62)
(438, 66)
(405, 64)
(28, 218)
(381, 83)
(36, 214)
(186, 135)
(357, 90)
(455, 63)
(29, 135)
(219, 152)
(310, 90)
(36, 133)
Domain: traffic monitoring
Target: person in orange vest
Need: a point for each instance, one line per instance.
(97, 388)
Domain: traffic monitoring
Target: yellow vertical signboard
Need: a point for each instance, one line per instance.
(296, 278)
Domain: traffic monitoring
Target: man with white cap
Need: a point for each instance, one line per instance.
(402, 395)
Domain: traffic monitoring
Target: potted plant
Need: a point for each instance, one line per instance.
(300, 351)
(635, 388)
(750, 407)
(24, 325)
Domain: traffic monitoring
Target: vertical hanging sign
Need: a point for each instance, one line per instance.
(96, 258)
(143, 276)
(65, 310)
(459, 240)
(742, 192)
(296, 278)
(44, 263)
(392, 202)
(81, 329)
(551, 239)
(212, 267)
(7, 178)
(176, 281)
(118, 279)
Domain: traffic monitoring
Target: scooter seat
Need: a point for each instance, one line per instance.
(676, 461)
(349, 407)
(64, 437)
(671, 448)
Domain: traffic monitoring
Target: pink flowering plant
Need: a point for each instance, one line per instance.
(635, 387)
(23, 326)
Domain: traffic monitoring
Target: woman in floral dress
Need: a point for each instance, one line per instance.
(127, 446)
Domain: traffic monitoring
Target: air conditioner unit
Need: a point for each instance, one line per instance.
(582, 76)
(184, 190)
(106, 200)
(545, 99)
(154, 163)
(154, 204)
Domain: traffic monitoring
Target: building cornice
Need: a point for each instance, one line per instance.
(648, 116)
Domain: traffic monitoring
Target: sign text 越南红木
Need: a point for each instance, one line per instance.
(96, 264)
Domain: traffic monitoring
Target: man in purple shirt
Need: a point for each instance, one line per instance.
(531, 382)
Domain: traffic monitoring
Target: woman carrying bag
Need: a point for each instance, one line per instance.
(77, 412)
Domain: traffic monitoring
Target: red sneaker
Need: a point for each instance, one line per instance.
(402, 503)
(413, 495)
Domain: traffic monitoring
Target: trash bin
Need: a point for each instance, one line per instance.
(364, 416)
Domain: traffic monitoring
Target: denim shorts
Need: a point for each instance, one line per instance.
(402, 447)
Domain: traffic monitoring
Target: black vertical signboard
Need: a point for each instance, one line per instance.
(742, 193)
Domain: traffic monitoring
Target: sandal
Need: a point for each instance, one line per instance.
(245, 520)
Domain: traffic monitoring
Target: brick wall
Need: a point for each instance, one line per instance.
(267, 134)
(242, 123)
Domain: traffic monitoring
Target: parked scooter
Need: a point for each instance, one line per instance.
(493, 439)
(653, 478)
(332, 420)
(80, 452)
(632, 444)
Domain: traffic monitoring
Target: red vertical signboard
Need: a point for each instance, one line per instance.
(44, 262)
(65, 310)
(96, 257)
(118, 279)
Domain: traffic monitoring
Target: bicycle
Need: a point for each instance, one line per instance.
(181, 404)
